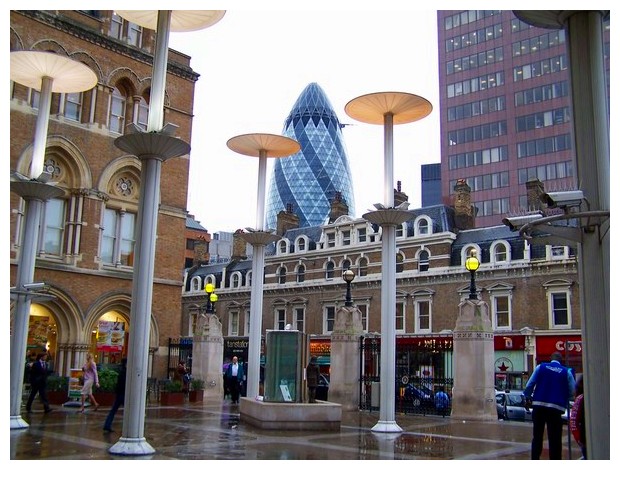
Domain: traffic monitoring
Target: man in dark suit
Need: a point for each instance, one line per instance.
(234, 378)
(120, 396)
(38, 382)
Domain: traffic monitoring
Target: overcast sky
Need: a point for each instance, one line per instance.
(253, 66)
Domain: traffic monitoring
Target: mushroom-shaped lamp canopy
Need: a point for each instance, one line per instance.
(404, 107)
(28, 67)
(180, 21)
(252, 144)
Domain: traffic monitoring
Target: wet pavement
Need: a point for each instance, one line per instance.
(213, 431)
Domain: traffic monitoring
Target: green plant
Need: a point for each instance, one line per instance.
(107, 380)
(172, 386)
(54, 383)
(197, 384)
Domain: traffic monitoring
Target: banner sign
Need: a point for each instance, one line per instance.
(110, 336)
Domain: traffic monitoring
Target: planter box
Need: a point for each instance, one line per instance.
(57, 398)
(171, 398)
(104, 399)
(196, 395)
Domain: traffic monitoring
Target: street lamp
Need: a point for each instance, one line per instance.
(348, 276)
(472, 263)
(211, 297)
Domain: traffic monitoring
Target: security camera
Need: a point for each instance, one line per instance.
(566, 199)
(515, 223)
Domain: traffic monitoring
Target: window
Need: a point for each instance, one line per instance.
(118, 240)
(331, 240)
(235, 280)
(301, 273)
(500, 252)
(54, 224)
(423, 261)
(142, 114)
(247, 322)
(329, 270)
(557, 252)
(422, 226)
(282, 246)
(116, 26)
(233, 323)
(364, 310)
(559, 310)
(301, 244)
(400, 317)
(422, 316)
(399, 230)
(361, 235)
(346, 265)
(117, 112)
(134, 34)
(280, 319)
(500, 311)
(73, 106)
(400, 259)
(282, 275)
(346, 238)
(196, 284)
(363, 267)
(299, 314)
(329, 316)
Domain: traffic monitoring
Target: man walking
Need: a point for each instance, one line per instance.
(549, 390)
(234, 378)
(38, 381)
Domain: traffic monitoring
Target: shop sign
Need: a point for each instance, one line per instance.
(546, 345)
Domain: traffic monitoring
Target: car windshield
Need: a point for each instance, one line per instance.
(515, 400)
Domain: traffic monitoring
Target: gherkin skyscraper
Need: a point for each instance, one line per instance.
(309, 180)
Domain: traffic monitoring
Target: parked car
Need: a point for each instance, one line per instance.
(323, 388)
(419, 395)
(511, 406)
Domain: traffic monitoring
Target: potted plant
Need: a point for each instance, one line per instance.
(106, 393)
(57, 389)
(196, 390)
(172, 393)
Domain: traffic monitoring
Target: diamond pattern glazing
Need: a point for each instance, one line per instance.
(309, 179)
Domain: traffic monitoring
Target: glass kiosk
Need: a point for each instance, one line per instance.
(284, 366)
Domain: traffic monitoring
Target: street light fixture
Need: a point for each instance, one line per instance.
(472, 264)
(348, 276)
(211, 297)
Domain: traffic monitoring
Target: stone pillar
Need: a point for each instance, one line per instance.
(344, 386)
(473, 395)
(208, 354)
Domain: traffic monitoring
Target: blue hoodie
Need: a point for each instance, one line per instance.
(551, 385)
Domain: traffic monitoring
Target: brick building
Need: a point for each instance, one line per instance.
(532, 290)
(86, 246)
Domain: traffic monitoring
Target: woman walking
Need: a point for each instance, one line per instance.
(89, 374)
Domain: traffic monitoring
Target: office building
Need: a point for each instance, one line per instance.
(306, 182)
(505, 109)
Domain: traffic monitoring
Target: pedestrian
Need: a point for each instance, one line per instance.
(182, 375)
(38, 382)
(577, 419)
(234, 378)
(119, 399)
(312, 379)
(90, 376)
(549, 390)
(442, 402)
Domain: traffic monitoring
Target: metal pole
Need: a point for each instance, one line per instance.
(40, 138)
(260, 197)
(256, 317)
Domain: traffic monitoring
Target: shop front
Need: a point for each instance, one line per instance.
(569, 345)
(511, 372)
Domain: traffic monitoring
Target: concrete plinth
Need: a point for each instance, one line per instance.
(290, 416)
(473, 395)
(344, 385)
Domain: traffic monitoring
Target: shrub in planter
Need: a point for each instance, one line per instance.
(196, 390)
(57, 389)
(106, 392)
(172, 393)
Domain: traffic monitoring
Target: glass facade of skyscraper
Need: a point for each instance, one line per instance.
(307, 182)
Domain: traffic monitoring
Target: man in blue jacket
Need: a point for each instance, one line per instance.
(549, 390)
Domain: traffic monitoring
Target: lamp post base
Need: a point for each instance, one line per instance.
(384, 426)
(131, 447)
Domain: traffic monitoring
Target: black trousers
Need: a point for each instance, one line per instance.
(233, 385)
(552, 419)
(40, 389)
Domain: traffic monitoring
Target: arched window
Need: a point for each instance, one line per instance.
(423, 262)
(282, 275)
(236, 280)
(346, 265)
(117, 111)
(500, 252)
(422, 226)
(301, 273)
(363, 267)
(301, 244)
(329, 270)
(196, 284)
(400, 258)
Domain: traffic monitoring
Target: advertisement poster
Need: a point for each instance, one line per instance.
(110, 336)
(74, 383)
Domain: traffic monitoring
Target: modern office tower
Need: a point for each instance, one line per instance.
(431, 184)
(505, 109)
(307, 182)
